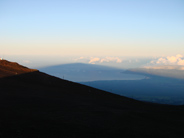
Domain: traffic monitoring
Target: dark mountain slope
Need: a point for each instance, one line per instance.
(34, 104)
(153, 88)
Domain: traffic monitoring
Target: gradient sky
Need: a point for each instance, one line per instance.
(92, 27)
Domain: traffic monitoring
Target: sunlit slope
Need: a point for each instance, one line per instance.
(12, 68)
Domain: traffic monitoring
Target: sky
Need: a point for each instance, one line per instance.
(108, 28)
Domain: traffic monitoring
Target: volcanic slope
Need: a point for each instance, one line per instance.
(35, 104)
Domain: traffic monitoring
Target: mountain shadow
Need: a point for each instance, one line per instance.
(152, 89)
(79, 72)
(35, 104)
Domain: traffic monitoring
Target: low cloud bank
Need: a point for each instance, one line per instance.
(168, 67)
(169, 63)
(94, 60)
(109, 59)
(169, 60)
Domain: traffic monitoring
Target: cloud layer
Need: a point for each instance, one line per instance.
(170, 60)
(168, 67)
(94, 60)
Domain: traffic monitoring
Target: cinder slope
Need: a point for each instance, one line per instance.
(12, 68)
(34, 104)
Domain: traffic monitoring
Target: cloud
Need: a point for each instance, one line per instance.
(110, 59)
(106, 59)
(170, 60)
(181, 62)
(160, 61)
(80, 58)
(179, 56)
(168, 67)
(93, 60)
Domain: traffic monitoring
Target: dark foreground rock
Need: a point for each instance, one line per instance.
(34, 105)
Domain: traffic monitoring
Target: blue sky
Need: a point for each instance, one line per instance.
(92, 27)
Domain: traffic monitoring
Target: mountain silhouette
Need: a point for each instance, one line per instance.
(35, 104)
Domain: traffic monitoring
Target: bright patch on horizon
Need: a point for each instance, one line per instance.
(169, 60)
(94, 60)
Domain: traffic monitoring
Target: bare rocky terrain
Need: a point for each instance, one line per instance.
(35, 104)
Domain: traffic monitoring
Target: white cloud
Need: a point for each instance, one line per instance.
(181, 62)
(168, 67)
(80, 58)
(93, 60)
(161, 60)
(110, 59)
(170, 60)
(179, 56)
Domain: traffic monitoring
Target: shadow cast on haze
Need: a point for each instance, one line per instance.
(141, 84)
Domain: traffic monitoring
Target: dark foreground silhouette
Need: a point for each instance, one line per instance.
(34, 105)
